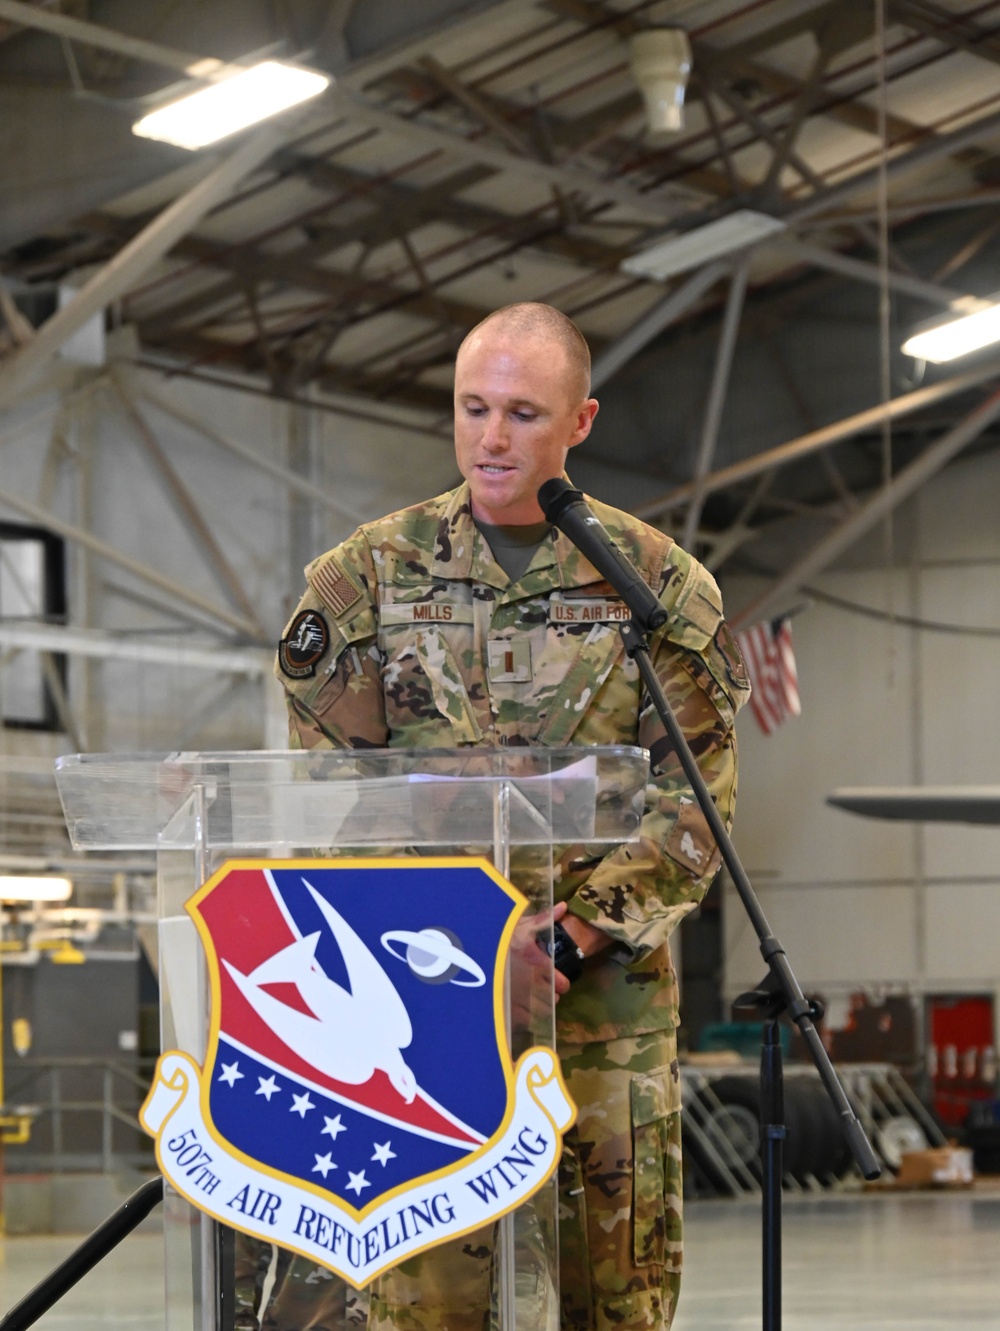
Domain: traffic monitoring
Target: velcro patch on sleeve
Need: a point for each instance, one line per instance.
(728, 649)
(697, 610)
(304, 645)
(330, 581)
(691, 842)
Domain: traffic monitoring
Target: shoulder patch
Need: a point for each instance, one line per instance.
(330, 581)
(303, 645)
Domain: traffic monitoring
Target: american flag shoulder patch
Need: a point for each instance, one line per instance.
(330, 581)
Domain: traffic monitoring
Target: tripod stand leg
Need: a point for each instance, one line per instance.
(772, 1140)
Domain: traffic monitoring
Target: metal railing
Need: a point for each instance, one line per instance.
(881, 1095)
(84, 1114)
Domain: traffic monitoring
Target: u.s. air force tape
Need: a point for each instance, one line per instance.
(303, 645)
(587, 610)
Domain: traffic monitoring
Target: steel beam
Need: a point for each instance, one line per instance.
(716, 396)
(334, 287)
(815, 440)
(107, 646)
(878, 506)
(297, 484)
(477, 106)
(477, 150)
(943, 27)
(212, 707)
(364, 70)
(106, 39)
(941, 145)
(764, 130)
(329, 42)
(427, 41)
(186, 508)
(215, 614)
(908, 211)
(121, 272)
(817, 256)
(60, 700)
(653, 322)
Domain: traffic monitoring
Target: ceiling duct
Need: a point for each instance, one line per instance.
(661, 63)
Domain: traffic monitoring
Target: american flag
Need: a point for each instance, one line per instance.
(767, 650)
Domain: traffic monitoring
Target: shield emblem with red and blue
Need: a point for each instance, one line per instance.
(360, 1037)
(357, 1102)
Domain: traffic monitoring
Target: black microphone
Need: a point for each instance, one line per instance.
(567, 509)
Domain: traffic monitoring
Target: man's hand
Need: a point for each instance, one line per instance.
(532, 975)
(533, 978)
(531, 969)
(588, 939)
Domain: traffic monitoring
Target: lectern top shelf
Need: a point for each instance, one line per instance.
(364, 798)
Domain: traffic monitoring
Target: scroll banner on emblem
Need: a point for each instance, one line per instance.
(358, 1103)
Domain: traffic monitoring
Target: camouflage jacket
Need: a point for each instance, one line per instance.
(411, 635)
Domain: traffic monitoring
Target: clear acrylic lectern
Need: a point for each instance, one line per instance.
(517, 809)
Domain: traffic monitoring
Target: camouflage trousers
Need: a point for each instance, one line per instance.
(620, 1224)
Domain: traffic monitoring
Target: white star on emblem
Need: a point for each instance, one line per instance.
(333, 1126)
(230, 1073)
(358, 1181)
(302, 1105)
(267, 1087)
(384, 1153)
(323, 1165)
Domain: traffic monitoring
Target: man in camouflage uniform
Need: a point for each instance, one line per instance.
(412, 634)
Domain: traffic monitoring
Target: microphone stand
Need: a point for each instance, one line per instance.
(567, 509)
(779, 993)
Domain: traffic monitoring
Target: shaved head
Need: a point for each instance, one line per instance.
(521, 403)
(531, 320)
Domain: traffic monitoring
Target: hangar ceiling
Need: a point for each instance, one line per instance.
(469, 154)
(472, 154)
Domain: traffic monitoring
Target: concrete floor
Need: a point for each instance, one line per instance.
(870, 1262)
(873, 1262)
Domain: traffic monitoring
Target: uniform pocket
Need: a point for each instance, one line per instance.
(656, 1201)
(427, 702)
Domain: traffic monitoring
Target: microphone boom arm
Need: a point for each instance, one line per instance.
(794, 1001)
(566, 508)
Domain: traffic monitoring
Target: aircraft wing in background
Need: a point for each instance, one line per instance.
(925, 804)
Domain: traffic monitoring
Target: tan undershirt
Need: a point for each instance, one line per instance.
(514, 547)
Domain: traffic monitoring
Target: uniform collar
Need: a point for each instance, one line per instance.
(461, 552)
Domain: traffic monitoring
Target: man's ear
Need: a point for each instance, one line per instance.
(584, 420)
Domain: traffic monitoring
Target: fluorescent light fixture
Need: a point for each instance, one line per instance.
(22, 887)
(677, 254)
(957, 337)
(232, 104)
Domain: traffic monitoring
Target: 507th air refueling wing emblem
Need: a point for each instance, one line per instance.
(358, 1102)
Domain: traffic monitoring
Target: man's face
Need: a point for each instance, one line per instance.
(518, 412)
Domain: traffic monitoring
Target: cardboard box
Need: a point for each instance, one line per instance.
(936, 1167)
